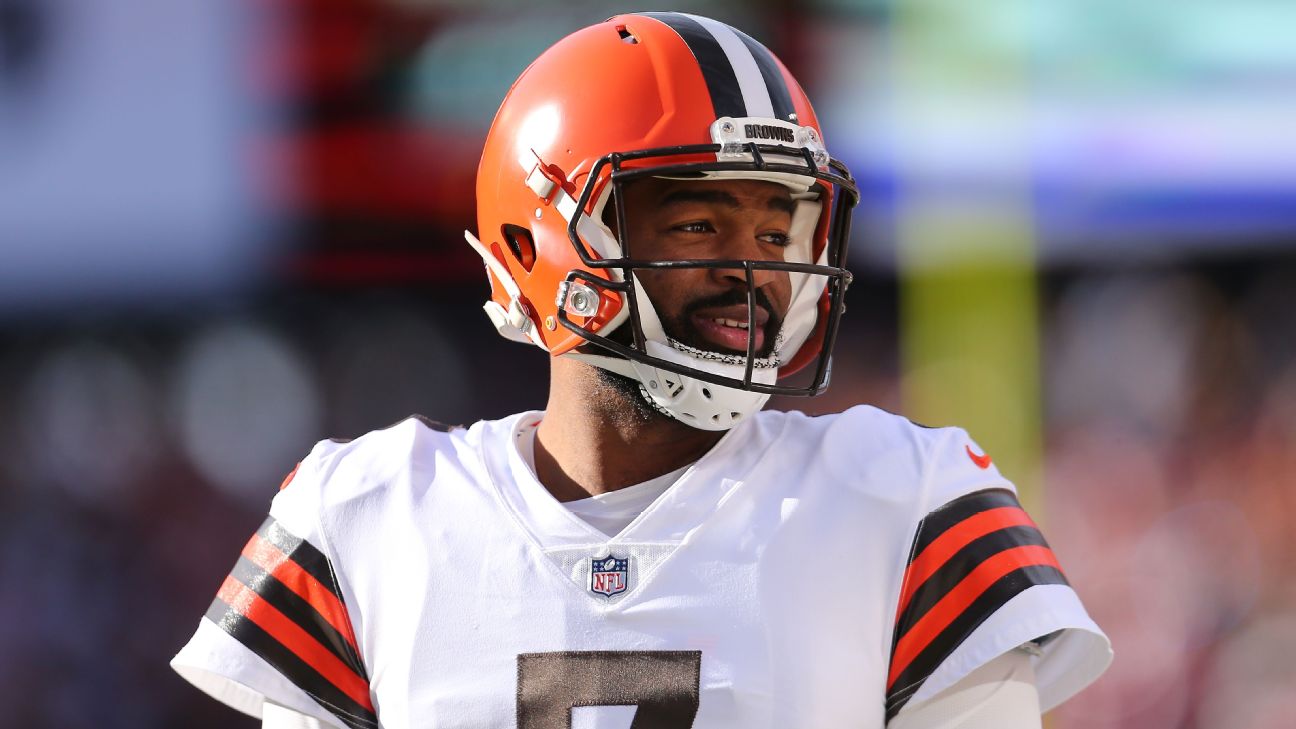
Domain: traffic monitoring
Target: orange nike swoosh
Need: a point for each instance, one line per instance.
(981, 461)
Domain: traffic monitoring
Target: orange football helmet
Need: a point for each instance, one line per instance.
(656, 95)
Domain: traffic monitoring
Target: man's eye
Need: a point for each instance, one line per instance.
(782, 240)
(696, 226)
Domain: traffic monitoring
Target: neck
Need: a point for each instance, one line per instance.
(593, 440)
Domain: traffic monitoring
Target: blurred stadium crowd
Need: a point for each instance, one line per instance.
(314, 284)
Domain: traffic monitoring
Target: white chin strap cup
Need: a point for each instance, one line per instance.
(688, 400)
(696, 403)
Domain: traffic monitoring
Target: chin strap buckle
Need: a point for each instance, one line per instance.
(514, 322)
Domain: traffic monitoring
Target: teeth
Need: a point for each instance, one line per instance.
(731, 323)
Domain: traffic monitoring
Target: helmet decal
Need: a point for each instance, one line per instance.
(741, 74)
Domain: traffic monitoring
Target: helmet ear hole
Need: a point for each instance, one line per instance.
(626, 36)
(521, 244)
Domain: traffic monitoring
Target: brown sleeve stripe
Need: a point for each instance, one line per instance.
(969, 559)
(262, 642)
(280, 610)
(941, 550)
(960, 597)
(301, 659)
(939, 583)
(302, 552)
(304, 614)
(324, 602)
(950, 514)
(904, 684)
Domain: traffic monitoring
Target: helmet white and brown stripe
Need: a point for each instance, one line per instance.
(744, 78)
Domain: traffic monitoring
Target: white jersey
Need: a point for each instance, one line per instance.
(806, 572)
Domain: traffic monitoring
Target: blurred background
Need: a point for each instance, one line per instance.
(229, 228)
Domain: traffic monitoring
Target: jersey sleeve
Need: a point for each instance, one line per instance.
(278, 629)
(980, 580)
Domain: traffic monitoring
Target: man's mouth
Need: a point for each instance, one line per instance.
(726, 329)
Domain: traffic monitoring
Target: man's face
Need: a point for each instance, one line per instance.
(712, 219)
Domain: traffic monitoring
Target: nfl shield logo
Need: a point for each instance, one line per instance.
(608, 575)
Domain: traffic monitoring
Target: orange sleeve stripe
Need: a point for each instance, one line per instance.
(949, 607)
(280, 566)
(288, 479)
(279, 626)
(949, 543)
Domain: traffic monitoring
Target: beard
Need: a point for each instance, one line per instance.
(638, 409)
(685, 336)
(682, 331)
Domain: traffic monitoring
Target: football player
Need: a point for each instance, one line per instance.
(658, 211)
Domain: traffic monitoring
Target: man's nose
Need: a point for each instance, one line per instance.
(746, 247)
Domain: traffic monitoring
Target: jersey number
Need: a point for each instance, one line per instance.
(664, 685)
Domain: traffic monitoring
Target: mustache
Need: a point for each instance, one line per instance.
(736, 297)
(681, 328)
